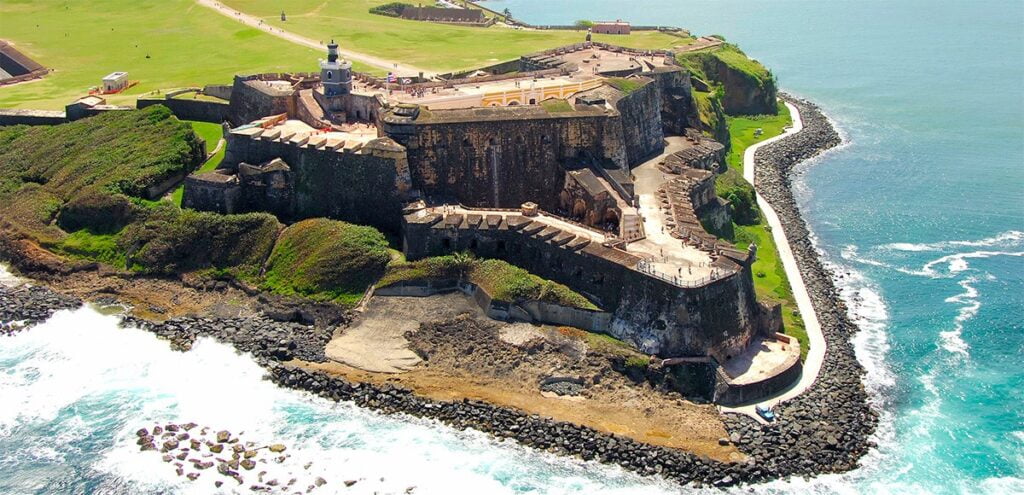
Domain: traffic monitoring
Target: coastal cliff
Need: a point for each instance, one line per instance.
(748, 87)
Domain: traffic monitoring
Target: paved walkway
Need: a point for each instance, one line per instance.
(669, 256)
(256, 22)
(816, 353)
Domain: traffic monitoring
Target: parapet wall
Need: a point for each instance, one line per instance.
(718, 318)
(20, 67)
(499, 157)
(32, 117)
(367, 186)
(189, 109)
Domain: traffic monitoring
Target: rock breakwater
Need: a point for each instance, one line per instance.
(828, 427)
(263, 337)
(25, 305)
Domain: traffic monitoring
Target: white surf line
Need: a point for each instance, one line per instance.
(256, 22)
(816, 353)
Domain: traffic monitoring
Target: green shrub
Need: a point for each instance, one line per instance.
(503, 281)
(91, 246)
(98, 211)
(732, 187)
(393, 9)
(326, 260)
(638, 362)
(171, 240)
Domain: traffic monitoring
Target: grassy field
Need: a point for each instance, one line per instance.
(427, 45)
(211, 133)
(186, 45)
(770, 279)
(742, 129)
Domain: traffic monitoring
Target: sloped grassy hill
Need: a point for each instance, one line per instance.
(746, 86)
(503, 281)
(95, 163)
(326, 260)
(79, 190)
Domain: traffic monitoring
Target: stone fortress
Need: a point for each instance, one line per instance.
(582, 164)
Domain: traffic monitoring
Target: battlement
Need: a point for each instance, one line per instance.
(598, 265)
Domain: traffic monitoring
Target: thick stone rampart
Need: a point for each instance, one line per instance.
(32, 117)
(640, 118)
(189, 109)
(499, 157)
(366, 186)
(718, 318)
(252, 98)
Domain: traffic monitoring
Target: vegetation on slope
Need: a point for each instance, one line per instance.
(746, 86)
(503, 281)
(712, 115)
(171, 240)
(170, 43)
(704, 63)
(326, 260)
(82, 173)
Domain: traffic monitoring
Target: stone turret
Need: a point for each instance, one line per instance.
(335, 75)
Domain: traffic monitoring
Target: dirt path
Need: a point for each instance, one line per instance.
(255, 22)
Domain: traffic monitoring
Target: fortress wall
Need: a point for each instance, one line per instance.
(32, 117)
(251, 100)
(718, 319)
(640, 118)
(187, 109)
(677, 108)
(205, 195)
(501, 163)
(355, 187)
(222, 91)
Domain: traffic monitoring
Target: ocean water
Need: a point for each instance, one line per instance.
(922, 212)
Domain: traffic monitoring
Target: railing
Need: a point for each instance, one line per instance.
(645, 267)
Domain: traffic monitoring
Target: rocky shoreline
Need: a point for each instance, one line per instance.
(24, 306)
(824, 430)
(828, 427)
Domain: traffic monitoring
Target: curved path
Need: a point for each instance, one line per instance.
(816, 353)
(256, 22)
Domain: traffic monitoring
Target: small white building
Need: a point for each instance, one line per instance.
(115, 81)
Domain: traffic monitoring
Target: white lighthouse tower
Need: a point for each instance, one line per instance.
(335, 75)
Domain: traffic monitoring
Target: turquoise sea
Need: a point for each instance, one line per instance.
(922, 212)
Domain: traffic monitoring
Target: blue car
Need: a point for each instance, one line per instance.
(765, 413)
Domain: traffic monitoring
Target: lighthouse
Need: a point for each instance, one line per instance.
(335, 75)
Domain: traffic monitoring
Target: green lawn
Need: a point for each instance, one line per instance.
(770, 281)
(187, 45)
(430, 46)
(742, 129)
(211, 133)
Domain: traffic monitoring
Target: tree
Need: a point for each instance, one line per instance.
(584, 24)
(506, 14)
